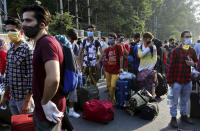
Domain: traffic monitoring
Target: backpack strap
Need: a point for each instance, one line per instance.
(107, 51)
(39, 51)
(117, 52)
(97, 44)
(84, 42)
(142, 98)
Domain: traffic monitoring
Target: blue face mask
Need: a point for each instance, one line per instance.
(188, 41)
(90, 34)
(111, 42)
(121, 40)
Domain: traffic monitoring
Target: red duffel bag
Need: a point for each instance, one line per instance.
(98, 111)
(23, 122)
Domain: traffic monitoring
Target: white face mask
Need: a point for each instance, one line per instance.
(188, 41)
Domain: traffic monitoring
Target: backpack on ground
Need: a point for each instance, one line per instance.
(86, 92)
(98, 111)
(137, 100)
(149, 111)
(162, 87)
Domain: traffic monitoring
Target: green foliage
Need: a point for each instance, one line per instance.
(123, 16)
(61, 23)
(176, 16)
(14, 6)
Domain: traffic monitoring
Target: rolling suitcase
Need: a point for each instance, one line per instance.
(122, 93)
(195, 105)
(23, 122)
(98, 111)
(195, 100)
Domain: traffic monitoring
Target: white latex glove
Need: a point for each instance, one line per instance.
(51, 112)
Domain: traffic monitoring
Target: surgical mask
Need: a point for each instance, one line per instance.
(31, 32)
(90, 34)
(111, 42)
(188, 41)
(14, 37)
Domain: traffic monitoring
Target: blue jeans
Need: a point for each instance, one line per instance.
(45, 125)
(15, 106)
(183, 91)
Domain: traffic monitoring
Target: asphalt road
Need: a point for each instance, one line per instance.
(123, 122)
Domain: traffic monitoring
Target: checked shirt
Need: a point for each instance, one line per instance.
(178, 70)
(19, 71)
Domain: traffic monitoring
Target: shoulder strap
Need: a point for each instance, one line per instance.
(39, 51)
(107, 51)
(117, 52)
(84, 42)
(97, 44)
(142, 97)
(43, 37)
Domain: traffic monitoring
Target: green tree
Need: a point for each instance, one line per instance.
(126, 16)
(61, 23)
(176, 16)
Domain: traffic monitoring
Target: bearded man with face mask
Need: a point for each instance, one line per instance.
(48, 59)
(179, 77)
(18, 74)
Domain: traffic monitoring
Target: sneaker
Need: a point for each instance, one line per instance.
(186, 119)
(72, 113)
(174, 122)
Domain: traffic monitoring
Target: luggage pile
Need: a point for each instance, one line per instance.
(124, 86)
(139, 104)
(86, 92)
(133, 100)
(94, 109)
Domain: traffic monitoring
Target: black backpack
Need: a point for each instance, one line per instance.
(149, 111)
(162, 87)
(96, 42)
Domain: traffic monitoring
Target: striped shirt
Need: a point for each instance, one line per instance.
(146, 59)
(19, 71)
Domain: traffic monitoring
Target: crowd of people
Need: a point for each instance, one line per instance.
(32, 75)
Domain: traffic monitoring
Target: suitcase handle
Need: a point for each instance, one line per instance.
(30, 115)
